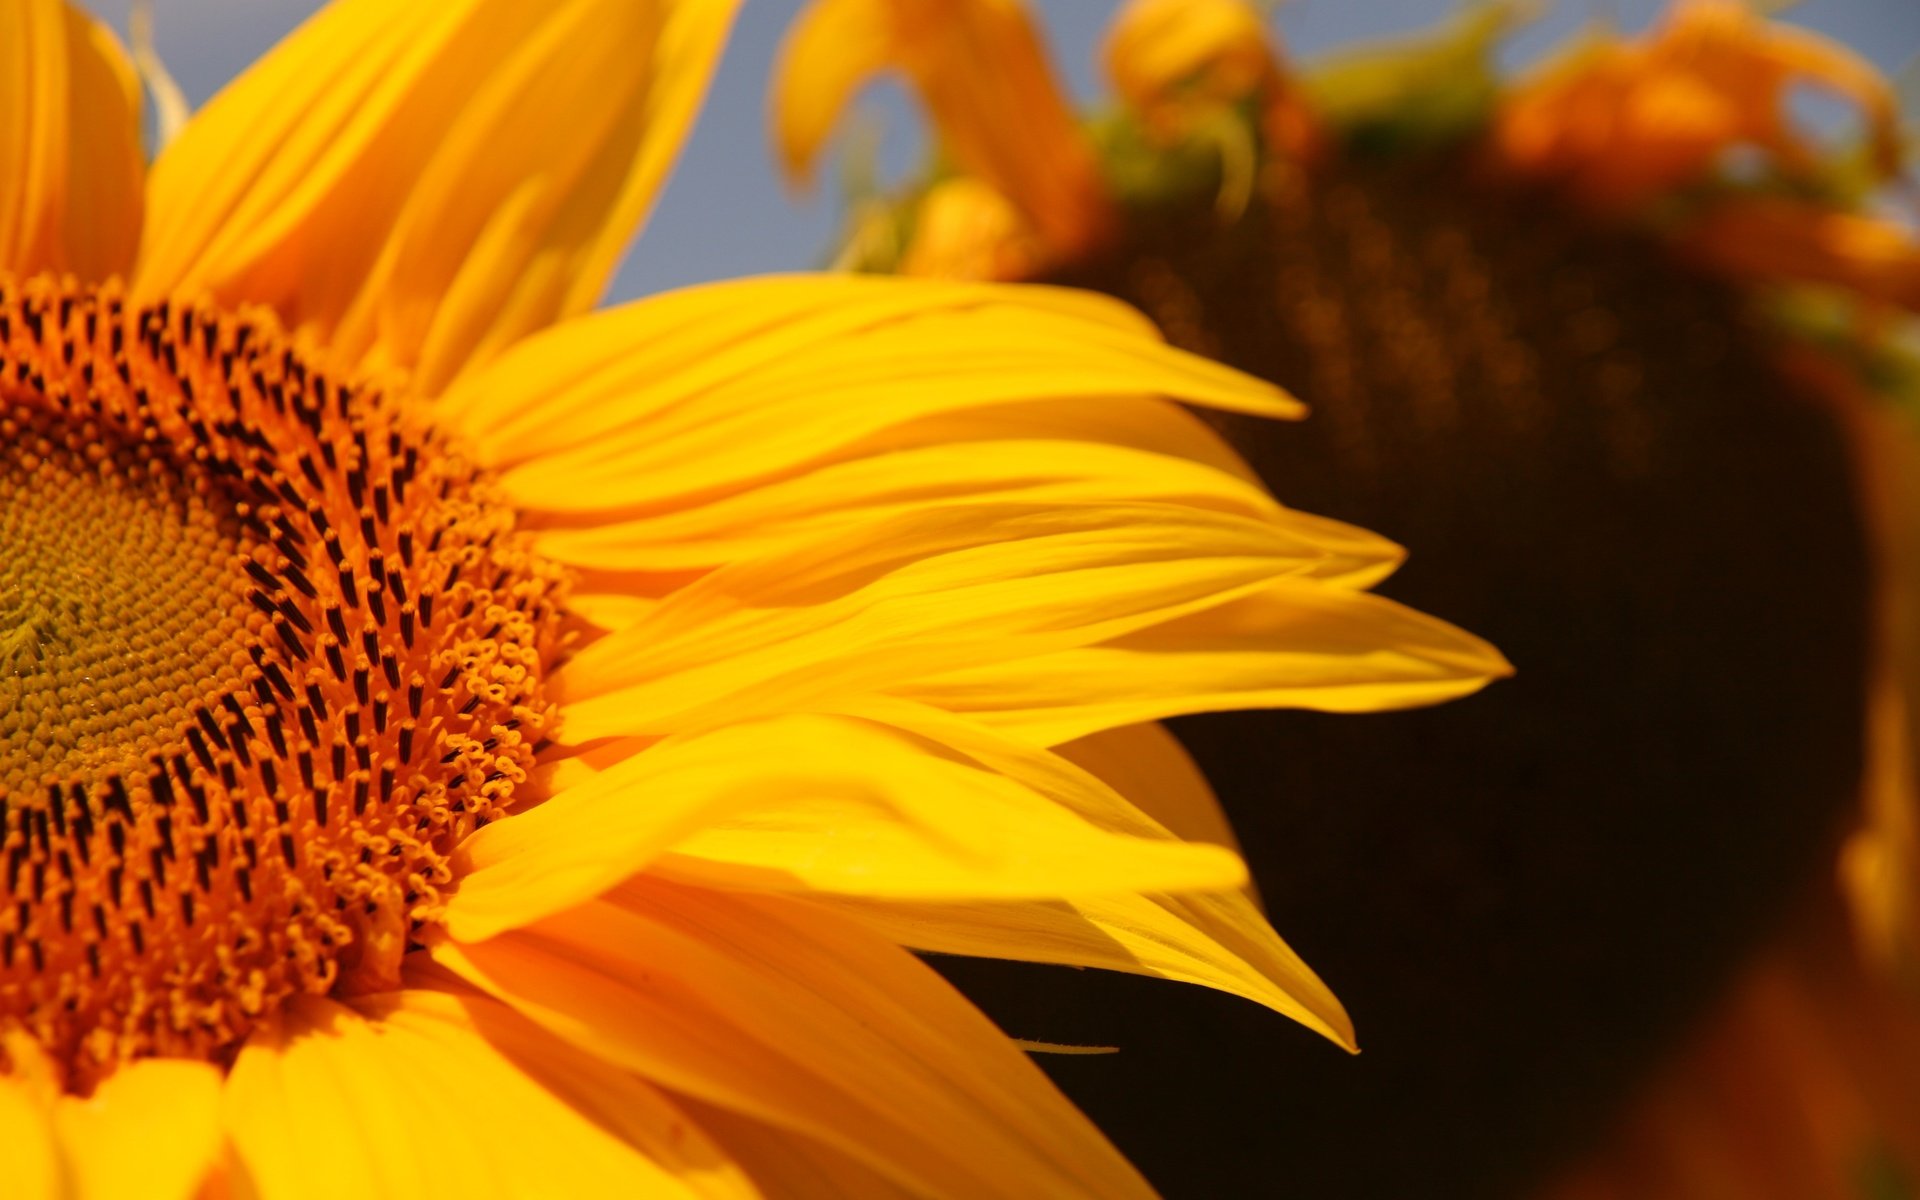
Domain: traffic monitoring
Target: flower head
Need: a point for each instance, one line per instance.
(423, 695)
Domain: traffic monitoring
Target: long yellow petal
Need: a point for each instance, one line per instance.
(1214, 940)
(792, 1165)
(818, 804)
(980, 69)
(660, 1127)
(631, 560)
(591, 835)
(791, 1016)
(330, 1103)
(728, 383)
(898, 601)
(929, 826)
(1292, 645)
(424, 184)
(1216, 937)
(1148, 765)
(892, 484)
(27, 1144)
(151, 1130)
(69, 144)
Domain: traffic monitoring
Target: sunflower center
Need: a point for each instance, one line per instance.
(269, 648)
(117, 591)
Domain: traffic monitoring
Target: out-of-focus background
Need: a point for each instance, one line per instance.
(725, 213)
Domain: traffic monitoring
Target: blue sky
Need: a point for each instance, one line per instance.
(725, 213)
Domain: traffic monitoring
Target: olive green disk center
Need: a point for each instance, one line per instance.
(121, 599)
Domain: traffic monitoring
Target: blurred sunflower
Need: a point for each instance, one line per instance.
(453, 743)
(1625, 356)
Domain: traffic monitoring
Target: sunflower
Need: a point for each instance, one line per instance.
(1626, 357)
(455, 742)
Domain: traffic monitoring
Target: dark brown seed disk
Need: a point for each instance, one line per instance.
(1523, 898)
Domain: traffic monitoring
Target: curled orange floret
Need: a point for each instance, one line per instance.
(1621, 122)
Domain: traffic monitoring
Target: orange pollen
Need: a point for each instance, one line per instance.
(270, 647)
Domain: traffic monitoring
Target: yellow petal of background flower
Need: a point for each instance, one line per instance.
(1292, 645)
(424, 184)
(832, 51)
(816, 803)
(964, 229)
(790, 1016)
(150, 1132)
(403, 1095)
(980, 69)
(1171, 54)
(69, 144)
(899, 601)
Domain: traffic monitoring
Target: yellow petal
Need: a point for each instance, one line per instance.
(979, 67)
(893, 484)
(69, 144)
(27, 1144)
(1215, 940)
(1215, 937)
(1167, 55)
(1135, 422)
(1150, 767)
(1047, 773)
(792, 1165)
(424, 184)
(660, 1127)
(894, 816)
(151, 1130)
(796, 1018)
(964, 229)
(814, 803)
(1295, 644)
(617, 369)
(719, 385)
(898, 601)
(831, 51)
(591, 835)
(404, 1094)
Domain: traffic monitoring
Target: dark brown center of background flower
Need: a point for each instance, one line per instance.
(268, 650)
(1523, 898)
